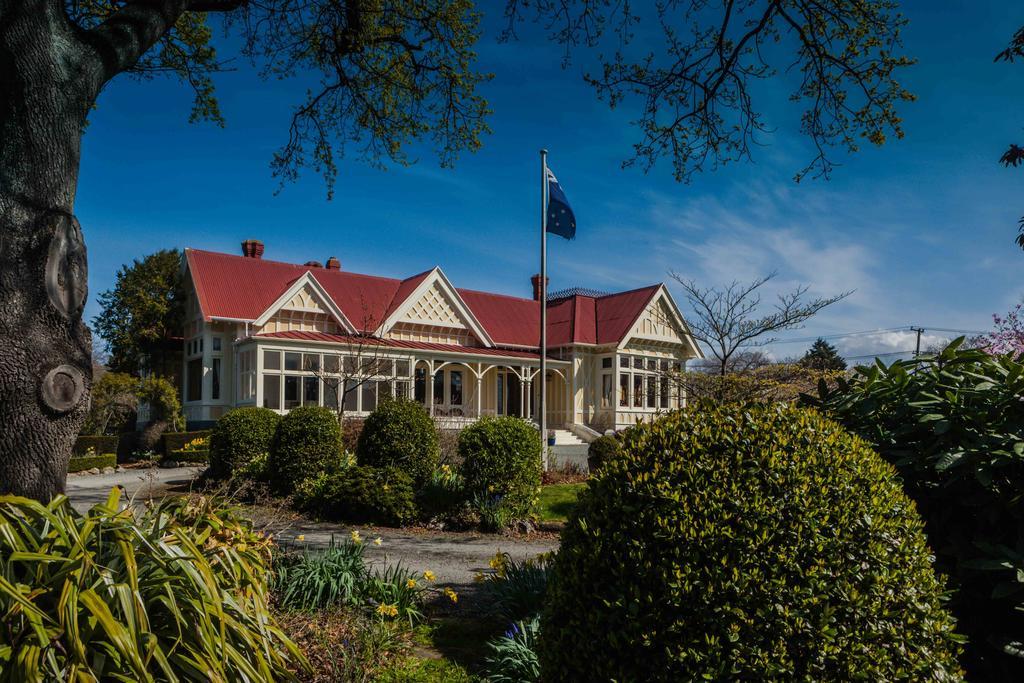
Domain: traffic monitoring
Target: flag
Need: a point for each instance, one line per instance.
(561, 220)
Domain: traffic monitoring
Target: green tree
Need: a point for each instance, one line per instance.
(115, 399)
(142, 314)
(823, 356)
(383, 75)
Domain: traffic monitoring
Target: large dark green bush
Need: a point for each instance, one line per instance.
(600, 449)
(501, 461)
(745, 543)
(177, 593)
(87, 462)
(175, 441)
(239, 436)
(400, 433)
(365, 494)
(307, 441)
(953, 425)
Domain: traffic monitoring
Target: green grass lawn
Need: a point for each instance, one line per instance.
(557, 501)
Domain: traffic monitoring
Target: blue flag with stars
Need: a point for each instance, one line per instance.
(561, 220)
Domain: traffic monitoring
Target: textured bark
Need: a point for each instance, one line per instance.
(44, 98)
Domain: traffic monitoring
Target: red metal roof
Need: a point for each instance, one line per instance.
(403, 344)
(242, 288)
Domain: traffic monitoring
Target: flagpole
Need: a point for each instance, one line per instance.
(543, 305)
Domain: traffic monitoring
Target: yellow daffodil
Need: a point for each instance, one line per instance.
(479, 577)
(428, 575)
(386, 610)
(356, 538)
(411, 583)
(378, 541)
(452, 595)
(300, 538)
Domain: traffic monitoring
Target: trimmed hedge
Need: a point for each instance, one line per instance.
(501, 461)
(600, 450)
(189, 456)
(363, 494)
(307, 441)
(239, 436)
(400, 433)
(101, 445)
(87, 462)
(173, 441)
(745, 542)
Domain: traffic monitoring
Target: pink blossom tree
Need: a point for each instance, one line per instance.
(1008, 335)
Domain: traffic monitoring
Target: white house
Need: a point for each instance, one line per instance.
(267, 333)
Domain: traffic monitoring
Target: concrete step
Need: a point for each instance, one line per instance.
(563, 437)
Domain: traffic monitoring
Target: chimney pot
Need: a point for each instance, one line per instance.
(314, 264)
(333, 263)
(535, 281)
(252, 249)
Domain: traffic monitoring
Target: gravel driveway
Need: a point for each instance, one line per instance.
(454, 557)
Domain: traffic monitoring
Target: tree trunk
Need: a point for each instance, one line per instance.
(45, 349)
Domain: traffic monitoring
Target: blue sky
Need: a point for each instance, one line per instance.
(921, 228)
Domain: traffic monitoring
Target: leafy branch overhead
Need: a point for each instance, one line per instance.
(696, 90)
(381, 74)
(1014, 155)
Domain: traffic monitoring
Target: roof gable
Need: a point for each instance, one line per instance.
(306, 295)
(661, 321)
(434, 301)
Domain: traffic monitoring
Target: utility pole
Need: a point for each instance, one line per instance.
(917, 348)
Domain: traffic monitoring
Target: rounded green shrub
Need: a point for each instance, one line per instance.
(240, 436)
(307, 441)
(745, 543)
(364, 494)
(600, 449)
(400, 433)
(501, 461)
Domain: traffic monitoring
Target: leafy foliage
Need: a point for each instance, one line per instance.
(162, 398)
(142, 312)
(95, 445)
(600, 449)
(517, 589)
(442, 495)
(113, 403)
(363, 494)
(400, 433)
(240, 436)
(307, 440)
(953, 425)
(501, 461)
(771, 383)
(736, 542)
(823, 356)
(179, 594)
(513, 656)
(321, 579)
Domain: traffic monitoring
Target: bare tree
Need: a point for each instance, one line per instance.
(362, 359)
(727, 321)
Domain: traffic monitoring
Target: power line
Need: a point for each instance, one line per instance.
(843, 335)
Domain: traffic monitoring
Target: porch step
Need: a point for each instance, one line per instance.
(563, 437)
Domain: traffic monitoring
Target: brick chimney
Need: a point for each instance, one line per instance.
(535, 281)
(313, 264)
(252, 248)
(333, 263)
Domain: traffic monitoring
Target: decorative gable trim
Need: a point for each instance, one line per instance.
(436, 278)
(325, 301)
(662, 295)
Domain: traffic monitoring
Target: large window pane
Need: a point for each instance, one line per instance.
(624, 389)
(351, 396)
(310, 391)
(331, 389)
(402, 389)
(291, 392)
(402, 368)
(271, 360)
(369, 396)
(215, 395)
(292, 361)
(311, 362)
(439, 387)
(272, 391)
(455, 380)
(652, 392)
(638, 391)
(664, 392)
(195, 380)
(420, 385)
(606, 391)
(332, 364)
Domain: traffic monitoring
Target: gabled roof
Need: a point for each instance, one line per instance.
(401, 305)
(239, 288)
